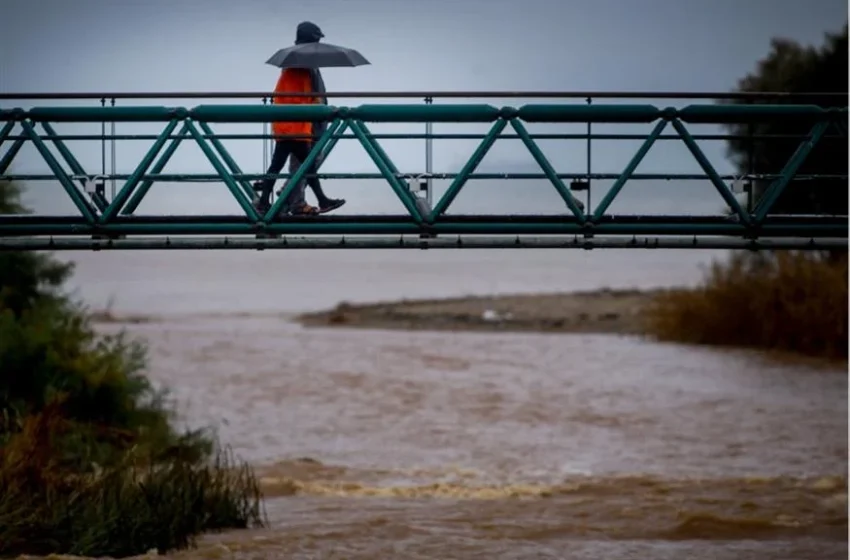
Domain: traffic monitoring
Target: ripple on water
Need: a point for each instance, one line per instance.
(461, 445)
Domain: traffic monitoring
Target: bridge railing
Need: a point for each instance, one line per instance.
(581, 178)
(100, 215)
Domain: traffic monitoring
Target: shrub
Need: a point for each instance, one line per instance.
(789, 301)
(90, 463)
(126, 509)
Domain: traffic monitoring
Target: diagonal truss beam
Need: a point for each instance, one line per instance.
(128, 188)
(390, 165)
(386, 169)
(226, 158)
(709, 170)
(4, 132)
(10, 154)
(75, 166)
(468, 169)
(234, 189)
(317, 149)
(228, 170)
(321, 158)
(547, 168)
(77, 198)
(788, 172)
(618, 185)
(145, 186)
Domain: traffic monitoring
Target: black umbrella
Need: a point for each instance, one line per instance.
(316, 55)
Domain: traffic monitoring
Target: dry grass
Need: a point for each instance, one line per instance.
(789, 302)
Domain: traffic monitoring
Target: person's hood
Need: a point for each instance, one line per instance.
(308, 32)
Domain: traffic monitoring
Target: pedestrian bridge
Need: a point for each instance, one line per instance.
(109, 220)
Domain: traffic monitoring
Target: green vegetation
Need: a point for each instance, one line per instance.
(792, 302)
(791, 67)
(89, 461)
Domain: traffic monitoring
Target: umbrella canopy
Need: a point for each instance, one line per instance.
(316, 55)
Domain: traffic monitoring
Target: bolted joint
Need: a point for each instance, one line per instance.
(508, 112)
(669, 113)
(180, 113)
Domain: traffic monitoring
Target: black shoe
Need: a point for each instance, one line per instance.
(330, 204)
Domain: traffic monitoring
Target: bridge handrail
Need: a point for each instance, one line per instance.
(411, 113)
(739, 96)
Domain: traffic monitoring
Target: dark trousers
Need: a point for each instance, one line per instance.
(282, 150)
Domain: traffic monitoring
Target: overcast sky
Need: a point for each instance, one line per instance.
(162, 45)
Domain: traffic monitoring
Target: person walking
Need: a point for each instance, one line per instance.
(297, 80)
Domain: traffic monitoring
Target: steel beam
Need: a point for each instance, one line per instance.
(413, 242)
(750, 227)
(802, 227)
(560, 113)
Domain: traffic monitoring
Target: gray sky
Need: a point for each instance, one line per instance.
(161, 45)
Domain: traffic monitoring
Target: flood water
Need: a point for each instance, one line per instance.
(390, 444)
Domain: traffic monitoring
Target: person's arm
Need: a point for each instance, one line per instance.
(314, 85)
(311, 86)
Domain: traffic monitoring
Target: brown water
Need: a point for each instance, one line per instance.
(478, 445)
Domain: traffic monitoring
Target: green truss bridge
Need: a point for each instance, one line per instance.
(110, 220)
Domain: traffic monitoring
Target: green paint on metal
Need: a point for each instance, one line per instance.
(99, 201)
(385, 169)
(458, 136)
(709, 170)
(588, 113)
(424, 113)
(143, 189)
(105, 114)
(263, 113)
(547, 168)
(212, 177)
(13, 150)
(227, 159)
(648, 225)
(724, 114)
(413, 242)
(5, 131)
(378, 148)
(115, 221)
(627, 172)
(317, 149)
(389, 162)
(336, 138)
(244, 203)
(789, 171)
(125, 192)
(63, 150)
(82, 205)
(471, 164)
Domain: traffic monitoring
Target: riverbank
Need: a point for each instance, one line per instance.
(602, 311)
(598, 311)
